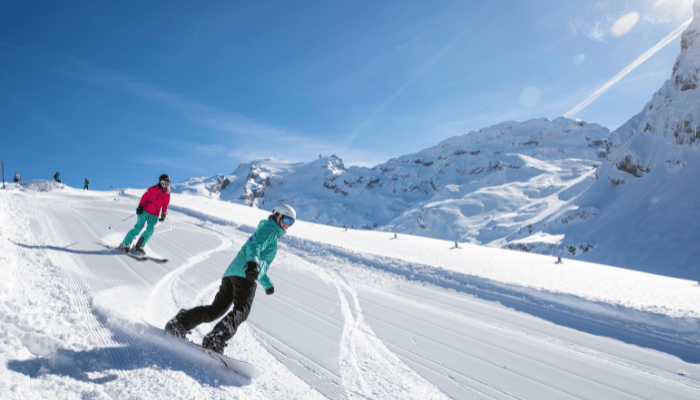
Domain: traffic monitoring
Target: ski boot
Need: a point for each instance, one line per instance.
(174, 326)
(137, 250)
(123, 248)
(214, 341)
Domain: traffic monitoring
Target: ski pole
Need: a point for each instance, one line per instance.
(128, 217)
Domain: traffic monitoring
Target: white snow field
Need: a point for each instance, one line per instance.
(355, 315)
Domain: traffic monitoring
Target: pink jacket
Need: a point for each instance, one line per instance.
(154, 199)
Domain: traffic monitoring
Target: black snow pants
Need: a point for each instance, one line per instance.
(234, 289)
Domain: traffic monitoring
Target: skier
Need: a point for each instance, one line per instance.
(17, 178)
(238, 284)
(155, 201)
(57, 177)
(86, 185)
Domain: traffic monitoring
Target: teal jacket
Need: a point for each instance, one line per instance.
(261, 247)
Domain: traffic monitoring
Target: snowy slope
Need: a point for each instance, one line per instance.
(356, 314)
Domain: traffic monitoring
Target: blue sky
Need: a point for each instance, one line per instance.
(120, 92)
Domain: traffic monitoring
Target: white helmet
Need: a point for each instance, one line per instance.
(285, 210)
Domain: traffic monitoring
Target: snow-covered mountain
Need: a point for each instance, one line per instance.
(564, 187)
(450, 191)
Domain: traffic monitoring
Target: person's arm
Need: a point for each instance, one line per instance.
(167, 202)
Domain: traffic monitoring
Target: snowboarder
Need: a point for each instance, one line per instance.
(238, 284)
(57, 177)
(155, 201)
(86, 186)
(17, 177)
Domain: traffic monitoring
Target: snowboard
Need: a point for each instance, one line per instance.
(226, 363)
(140, 258)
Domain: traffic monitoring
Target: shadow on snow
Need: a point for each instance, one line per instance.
(67, 249)
(136, 350)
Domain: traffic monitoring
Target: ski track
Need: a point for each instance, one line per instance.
(474, 316)
(526, 299)
(563, 393)
(168, 283)
(304, 249)
(360, 346)
(360, 349)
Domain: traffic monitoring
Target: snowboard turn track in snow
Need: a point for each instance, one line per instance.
(346, 321)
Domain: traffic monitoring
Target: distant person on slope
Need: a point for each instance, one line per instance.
(155, 201)
(17, 178)
(57, 177)
(238, 284)
(86, 186)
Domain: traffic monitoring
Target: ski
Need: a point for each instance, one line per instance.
(137, 257)
(128, 253)
(158, 260)
(140, 258)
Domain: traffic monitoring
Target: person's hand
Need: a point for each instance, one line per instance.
(251, 270)
(139, 210)
(162, 217)
(270, 290)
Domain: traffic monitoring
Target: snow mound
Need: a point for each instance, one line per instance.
(41, 185)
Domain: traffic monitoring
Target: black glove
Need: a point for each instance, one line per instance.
(139, 210)
(162, 217)
(251, 270)
(270, 290)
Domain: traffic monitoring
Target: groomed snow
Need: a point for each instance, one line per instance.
(355, 315)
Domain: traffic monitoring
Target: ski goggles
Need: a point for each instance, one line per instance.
(287, 220)
(164, 183)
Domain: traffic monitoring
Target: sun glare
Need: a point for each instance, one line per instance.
(678, 9)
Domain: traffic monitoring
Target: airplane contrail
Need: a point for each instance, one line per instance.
(668, 39)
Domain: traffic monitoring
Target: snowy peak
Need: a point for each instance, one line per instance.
(208, 187)
(685, 69)
(327, 166)
(673, 111)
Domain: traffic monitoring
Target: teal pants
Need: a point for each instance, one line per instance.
(140, 221)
